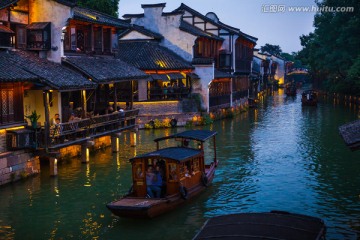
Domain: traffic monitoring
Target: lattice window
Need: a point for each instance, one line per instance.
(4, 102)
(11, 103)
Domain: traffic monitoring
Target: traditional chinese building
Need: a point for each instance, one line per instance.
(57, 58)
(221, 55)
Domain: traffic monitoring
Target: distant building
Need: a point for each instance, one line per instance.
(220, 54)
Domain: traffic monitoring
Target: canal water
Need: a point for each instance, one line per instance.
(280, 156)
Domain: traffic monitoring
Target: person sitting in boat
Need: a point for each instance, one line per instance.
(159, 180)
(150, 183)
(187, 172)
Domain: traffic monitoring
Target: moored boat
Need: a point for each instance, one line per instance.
(183, 167)
(309, 98)
(267, 225)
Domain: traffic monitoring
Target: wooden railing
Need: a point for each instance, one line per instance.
(157, 93)
(69, 133)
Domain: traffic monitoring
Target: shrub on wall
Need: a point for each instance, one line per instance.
(165, 123)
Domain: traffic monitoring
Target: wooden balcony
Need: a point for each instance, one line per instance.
(82, 130)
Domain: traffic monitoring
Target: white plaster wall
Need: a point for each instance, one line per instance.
(142, 86)
(280, 70)
(258, 61)
(206, 74)
(212, 29)
(135, 35)
(178, 41)
(114, 41)
(33, 100)
(226, 44)
(57, 14)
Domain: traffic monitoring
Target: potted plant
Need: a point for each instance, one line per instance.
(33, 117)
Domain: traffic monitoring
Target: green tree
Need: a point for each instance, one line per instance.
(332, 51)
(293, 58)
(105, 6)
(272, 49)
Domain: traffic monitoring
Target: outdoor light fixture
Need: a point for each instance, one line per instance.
(63, 31)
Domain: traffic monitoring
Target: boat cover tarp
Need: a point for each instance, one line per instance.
(350, 132)
(271, 225)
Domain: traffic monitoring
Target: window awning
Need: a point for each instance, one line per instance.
(4, 29)
(162, 77)
(220, 74)
(37, 25)
(175, 76)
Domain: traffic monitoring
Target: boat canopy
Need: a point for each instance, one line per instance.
(199, 135)
(179, 154)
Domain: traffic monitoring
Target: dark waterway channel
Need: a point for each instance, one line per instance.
(280, 156)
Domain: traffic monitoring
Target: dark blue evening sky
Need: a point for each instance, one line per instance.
(271, 21)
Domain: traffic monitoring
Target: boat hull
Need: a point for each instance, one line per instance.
(132, 207)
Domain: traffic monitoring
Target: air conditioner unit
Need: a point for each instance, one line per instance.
(19, 139)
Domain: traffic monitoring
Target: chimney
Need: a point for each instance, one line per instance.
(153, 10)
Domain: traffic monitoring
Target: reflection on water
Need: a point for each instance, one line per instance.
(279, 156)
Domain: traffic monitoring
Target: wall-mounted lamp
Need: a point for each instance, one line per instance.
(63, 31)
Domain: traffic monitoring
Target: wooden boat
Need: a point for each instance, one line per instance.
(268, 225)
(309, 98)
(186, 172)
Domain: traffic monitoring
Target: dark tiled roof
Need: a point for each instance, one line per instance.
(350, 132)
(105, 69)
(37, 25)
(10, 72)
(218, 24)
(139, 15)
(248, 37)
(153, 5)
(176, 153)
(4, 29)
(202, 61)
(141, 30)
(6, 3)
(187, 27)
(92, 16)
(69, 3)
(149, 55)
(205, 18)
(51, 74)
(175, 75)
